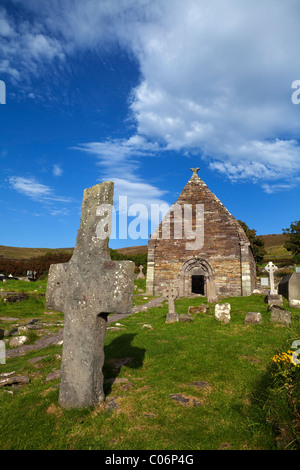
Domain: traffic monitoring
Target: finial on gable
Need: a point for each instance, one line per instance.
(195, 171)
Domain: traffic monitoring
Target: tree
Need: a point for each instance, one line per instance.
(256, 242)
(293, 242)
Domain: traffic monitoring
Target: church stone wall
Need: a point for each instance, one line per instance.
(225, 254)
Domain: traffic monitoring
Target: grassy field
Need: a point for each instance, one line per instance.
(225, 411)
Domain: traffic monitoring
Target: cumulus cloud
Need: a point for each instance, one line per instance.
(215, 76)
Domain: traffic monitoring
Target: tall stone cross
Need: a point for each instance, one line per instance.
(271, 268)
(171, 292)
(87, 289)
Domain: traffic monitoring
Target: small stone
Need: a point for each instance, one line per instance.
(199, 384)
(149, 327)
(194, 310)
(17, 380)
(22, 330)
(149, 415)
(185, 400)
(7, 374)
(18, 341)
(53, 376)
(253, 317)
(112, 405)
(36, 359)
(294, 303)
(256, 292)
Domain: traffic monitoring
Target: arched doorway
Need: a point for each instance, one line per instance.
(196, 278)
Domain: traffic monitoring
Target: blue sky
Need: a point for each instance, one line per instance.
(138, 92)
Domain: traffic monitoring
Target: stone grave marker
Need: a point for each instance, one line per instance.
(273, 298)
(87, 289)
(171, 292)
(264, 281)
(141, 275)
(271, 268)
(222, 312)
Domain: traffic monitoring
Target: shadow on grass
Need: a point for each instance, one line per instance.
(120, 353)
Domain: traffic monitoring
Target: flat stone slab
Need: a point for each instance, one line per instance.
(44, 342)
(185, 400)
(199, 384)
(9, 319)
(194, 310)
(279, 315)
(16, 380)
(185, 318)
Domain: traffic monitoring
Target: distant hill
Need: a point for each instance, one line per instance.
(133, 250)
(274, 245)
(13, 252)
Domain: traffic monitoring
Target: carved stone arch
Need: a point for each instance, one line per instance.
(192, 268)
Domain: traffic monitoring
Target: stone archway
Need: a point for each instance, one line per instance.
(196, 278)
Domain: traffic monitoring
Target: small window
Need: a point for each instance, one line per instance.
(198, 283)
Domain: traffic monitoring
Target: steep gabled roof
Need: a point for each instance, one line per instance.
(197, 192)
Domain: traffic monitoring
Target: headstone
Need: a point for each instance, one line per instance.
(87, 289)
(141, 275)
(171, 292)
(264, 281)
(271, 268)
(275, 299)
(185, 318)
(256, 292)
(222, 312)
(253, 318)
(289, 286)
(195, 309)
(297, 269)
(279, 315)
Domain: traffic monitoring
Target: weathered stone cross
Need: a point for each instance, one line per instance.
(171, 292)
(87, 289)
(271, 268)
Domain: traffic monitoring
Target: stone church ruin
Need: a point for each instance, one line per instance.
(219, 264)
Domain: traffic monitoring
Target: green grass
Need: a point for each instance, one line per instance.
(24, 286)
(233, 359)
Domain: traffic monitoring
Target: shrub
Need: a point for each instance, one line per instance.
(283, 404)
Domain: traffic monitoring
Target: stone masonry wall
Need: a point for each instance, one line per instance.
(222, 247)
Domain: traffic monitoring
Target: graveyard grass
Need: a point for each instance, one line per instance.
(229, 412)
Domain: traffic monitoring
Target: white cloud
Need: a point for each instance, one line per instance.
(119, 157)
(215, 76)
(57, 170)
(119, 162)
(35, 190)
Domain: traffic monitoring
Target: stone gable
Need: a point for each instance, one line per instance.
(222, 264)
